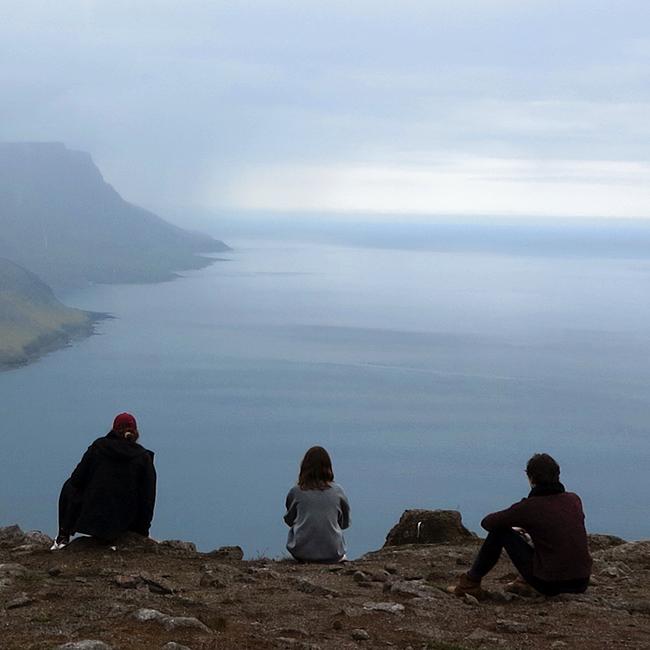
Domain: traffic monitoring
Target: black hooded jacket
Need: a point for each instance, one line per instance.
(111, 491)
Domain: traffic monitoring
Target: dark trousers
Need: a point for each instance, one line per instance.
(69, 508)
(521, 554)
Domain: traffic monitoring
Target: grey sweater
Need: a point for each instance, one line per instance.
(317, 518)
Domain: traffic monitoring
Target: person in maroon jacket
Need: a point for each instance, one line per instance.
(544, 535)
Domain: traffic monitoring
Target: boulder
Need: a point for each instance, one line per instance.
(170, 622)
(429, 527)
(11, 535)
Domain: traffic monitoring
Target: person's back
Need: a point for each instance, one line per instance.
(113, 488)
(317, 519)
(543, 534)
(555, 523)
(317, 512)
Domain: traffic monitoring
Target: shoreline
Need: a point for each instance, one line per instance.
(58, 339)
(67, 334)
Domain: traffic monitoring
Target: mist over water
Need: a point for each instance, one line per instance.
(431, 378)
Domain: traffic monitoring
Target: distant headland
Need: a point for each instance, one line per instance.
(63, 226)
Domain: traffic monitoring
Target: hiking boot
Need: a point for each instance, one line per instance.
(466, 585)
(521, 588)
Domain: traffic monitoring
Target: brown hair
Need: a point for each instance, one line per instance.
(543, 469)
(316, 470)
(130, 434)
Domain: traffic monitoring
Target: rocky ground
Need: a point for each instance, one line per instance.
(142, 594)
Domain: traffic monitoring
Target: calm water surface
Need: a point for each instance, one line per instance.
(430, 377)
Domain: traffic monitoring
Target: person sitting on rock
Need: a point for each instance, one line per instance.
(112, 490)
(317, 511)
(544, 535)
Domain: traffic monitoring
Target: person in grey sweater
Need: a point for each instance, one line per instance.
(317, 511)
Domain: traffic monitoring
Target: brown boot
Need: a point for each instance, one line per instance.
(466, 585)
(521, 588)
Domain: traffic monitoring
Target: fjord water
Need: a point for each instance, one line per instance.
(430, 377)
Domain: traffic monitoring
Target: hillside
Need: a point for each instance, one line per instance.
(61, 220)
(32, 320)
(144, 595)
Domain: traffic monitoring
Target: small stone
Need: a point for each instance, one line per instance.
(337, 625)
(412, 575)
(559, 644)
(228, 553)
(360, 576)
(172, 645)
(360, 635)
(611, 571)
(170, 622)
(391, 608)
(308, 587)
(209, 579)
(482, 636)
(514, 627)
(127, 582)
(22, 600)
(391, 568)
(179, 545)
(176, 622)
(335, 568)
(403, 588)
(157, 585)
(144, 615)
(86, 644)
(54, 572)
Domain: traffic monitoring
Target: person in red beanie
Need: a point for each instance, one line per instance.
(113, 488)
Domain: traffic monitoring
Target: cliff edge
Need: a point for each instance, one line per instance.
(143, 594)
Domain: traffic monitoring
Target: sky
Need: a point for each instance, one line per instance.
(408, 107)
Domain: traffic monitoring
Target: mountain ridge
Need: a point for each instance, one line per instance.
(62, 220)
(63, 226)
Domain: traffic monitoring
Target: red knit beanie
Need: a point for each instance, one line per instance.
(124, 422)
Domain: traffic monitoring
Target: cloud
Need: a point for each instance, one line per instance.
(182, 103)
(466, 186)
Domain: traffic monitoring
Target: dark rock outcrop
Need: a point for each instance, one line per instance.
(429, 527)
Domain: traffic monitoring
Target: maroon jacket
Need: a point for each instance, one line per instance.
(556, 524)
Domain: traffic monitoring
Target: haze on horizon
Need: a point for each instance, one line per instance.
(505, 107)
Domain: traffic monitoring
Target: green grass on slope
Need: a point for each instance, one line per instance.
(28, 329)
